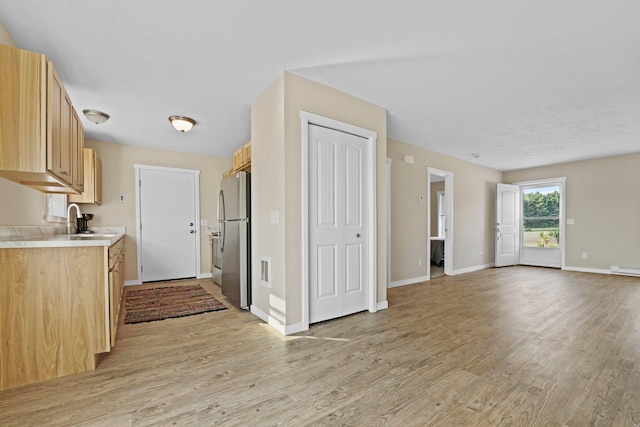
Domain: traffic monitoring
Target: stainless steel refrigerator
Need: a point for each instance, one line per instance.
(234, 209)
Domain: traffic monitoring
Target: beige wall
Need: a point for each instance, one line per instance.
(268, 195)
(473, 207)
(292, 94)
(21, 205)
(602, 197)
(118, 177)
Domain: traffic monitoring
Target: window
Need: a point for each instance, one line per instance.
(541, 216)
(56, 208)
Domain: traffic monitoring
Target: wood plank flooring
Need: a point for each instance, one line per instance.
(517, 346)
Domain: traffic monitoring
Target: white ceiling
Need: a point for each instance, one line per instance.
(520, 83)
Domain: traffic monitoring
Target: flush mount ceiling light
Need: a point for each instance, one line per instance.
(182, 123)
(95, 116)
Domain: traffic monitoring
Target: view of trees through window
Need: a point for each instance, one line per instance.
(541, 217)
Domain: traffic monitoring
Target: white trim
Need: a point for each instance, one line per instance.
(276, 324)
(472, 269)
(388, 172)
(625, 271)
(196, 188)
(536, 182)
(204, 276)
(411, 281)
(586, 270)
(132, 282)
(306, 119)
(448, 239)
(383, 305)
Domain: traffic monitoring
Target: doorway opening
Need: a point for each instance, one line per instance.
(439, 222)
(541, 225)
(530, 223)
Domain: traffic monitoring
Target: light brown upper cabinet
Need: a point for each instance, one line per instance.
(242, 159)
(92, 180)
(238, 159)
(246, 154)
(41, 137)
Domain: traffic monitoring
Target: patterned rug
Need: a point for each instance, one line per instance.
(148, 305)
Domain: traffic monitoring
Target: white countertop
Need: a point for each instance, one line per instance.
(103, 236)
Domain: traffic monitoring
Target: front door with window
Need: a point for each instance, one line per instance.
(541, 243)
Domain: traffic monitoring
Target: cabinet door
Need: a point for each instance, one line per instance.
(246, 153)
(238, 159)
(116, 288)
(92, 179)
(77, 152)
(23, 129)
(59, 138)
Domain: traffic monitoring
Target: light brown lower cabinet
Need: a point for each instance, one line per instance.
(116, 286)
(57, 310)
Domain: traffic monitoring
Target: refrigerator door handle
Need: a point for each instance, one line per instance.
(221, 219)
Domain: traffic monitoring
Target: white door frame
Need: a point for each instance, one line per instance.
(448, 221)
(196, 174)
(560, 181)
(370, 186)
(388, 222)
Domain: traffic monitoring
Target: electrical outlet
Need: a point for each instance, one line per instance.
(585, 255)
(419, 262)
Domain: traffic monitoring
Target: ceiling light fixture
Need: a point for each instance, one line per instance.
(182, 123)
(95, 116)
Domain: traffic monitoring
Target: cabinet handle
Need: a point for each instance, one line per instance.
(64, 173)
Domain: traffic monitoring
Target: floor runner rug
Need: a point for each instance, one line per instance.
(148, 305)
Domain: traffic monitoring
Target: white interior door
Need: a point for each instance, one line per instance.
(338, 227)
(507, 225)
(168, 223)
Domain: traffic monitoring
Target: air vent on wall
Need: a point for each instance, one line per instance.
(265, 272)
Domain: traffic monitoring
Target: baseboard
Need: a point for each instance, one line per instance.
(205, 276)
(276, 324)
(625, 271)
(408, 281)
(586, 270)
(382, 305)
(471, 269)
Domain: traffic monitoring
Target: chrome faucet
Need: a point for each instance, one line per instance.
(78, 215)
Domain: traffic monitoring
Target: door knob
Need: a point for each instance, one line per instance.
(190, 224)
(358, 235)
(191, 231)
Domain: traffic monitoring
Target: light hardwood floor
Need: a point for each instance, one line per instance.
(514, 346)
